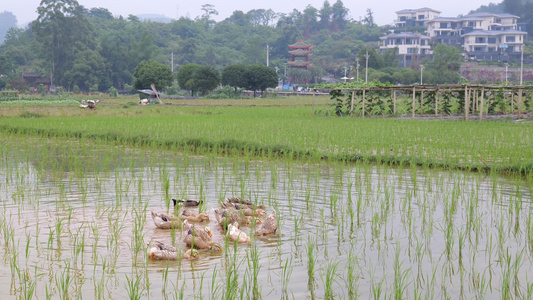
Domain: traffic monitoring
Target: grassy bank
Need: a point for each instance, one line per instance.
(291, 131)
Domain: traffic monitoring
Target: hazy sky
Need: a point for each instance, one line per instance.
(384, 10)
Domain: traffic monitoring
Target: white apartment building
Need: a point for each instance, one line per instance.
(409, 46)
(415, 17)
(482, 36)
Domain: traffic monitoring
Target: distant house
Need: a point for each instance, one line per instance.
(414, 17)
(33, 80)
(482, 36)
(410, 46)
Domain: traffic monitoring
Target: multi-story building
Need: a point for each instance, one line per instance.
(481, 36)
(409, 46)
(408, 18)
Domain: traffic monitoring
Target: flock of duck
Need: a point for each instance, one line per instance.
(233, 214)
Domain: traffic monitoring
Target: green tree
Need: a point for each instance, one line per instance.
(88, 69)
(325, 15)
(150, 72)
(261, 77)
(339, 17)
(234, 76)
(185, 77)
(446, 62)
(206, 79)
(375, 60)
(513, 7)
(63, 31)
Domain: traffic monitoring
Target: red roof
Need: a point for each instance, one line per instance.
(300, 45)
(300, 52)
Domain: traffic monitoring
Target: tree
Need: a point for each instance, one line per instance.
(325, 15)
(255, 50)
(513, 7)
(88, 70)
(446, 62)
(369, 18)
(63, 30)
(261, 77)
(340, 14)
(234, 76)
(150, 72)
(375, 60)
(205, 79)
(185, 77)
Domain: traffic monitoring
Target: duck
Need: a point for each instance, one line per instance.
(269, 225)
(235, 234)
(200, 239)
(244, 202)
(244, 209)
(187, 202)
(193, 216)
(225, 217)
(165, 221)
(169, 221)
(161, 251)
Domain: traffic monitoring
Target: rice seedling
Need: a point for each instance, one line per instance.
(99, 204)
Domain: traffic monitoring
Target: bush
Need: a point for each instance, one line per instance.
(225, 92)
(113, 92)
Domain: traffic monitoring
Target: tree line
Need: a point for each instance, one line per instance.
(90, 49)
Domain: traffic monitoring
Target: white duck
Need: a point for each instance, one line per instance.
(235, 234)
(161, 251)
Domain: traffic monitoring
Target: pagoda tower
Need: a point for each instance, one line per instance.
(300, 54)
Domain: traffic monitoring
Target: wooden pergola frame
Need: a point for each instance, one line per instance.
(474, 94)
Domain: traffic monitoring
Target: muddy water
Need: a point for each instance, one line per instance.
(73, 228)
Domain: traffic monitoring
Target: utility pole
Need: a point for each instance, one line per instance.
(267, 55)
(506, 67)
(172, 62)
(366, 67)
(357, 67)
(345, 68)
(522, 65)
(421, 73)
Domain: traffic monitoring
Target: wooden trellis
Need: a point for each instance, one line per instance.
(475, 97)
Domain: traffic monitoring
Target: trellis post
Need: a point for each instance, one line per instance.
(467, 103)
(519, 104)
(414, 99)
(394, 102)
(481, 104)
(351, 109)
(364, 95)
(436, 102)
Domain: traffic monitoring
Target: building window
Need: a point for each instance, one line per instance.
(443, 25)
(403, 19)
(470, 24)
(421, 17)
(510, 39)
(492, 40)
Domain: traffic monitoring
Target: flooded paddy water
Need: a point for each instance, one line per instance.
(76, 219)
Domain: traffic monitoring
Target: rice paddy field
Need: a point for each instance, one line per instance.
(367, 208)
